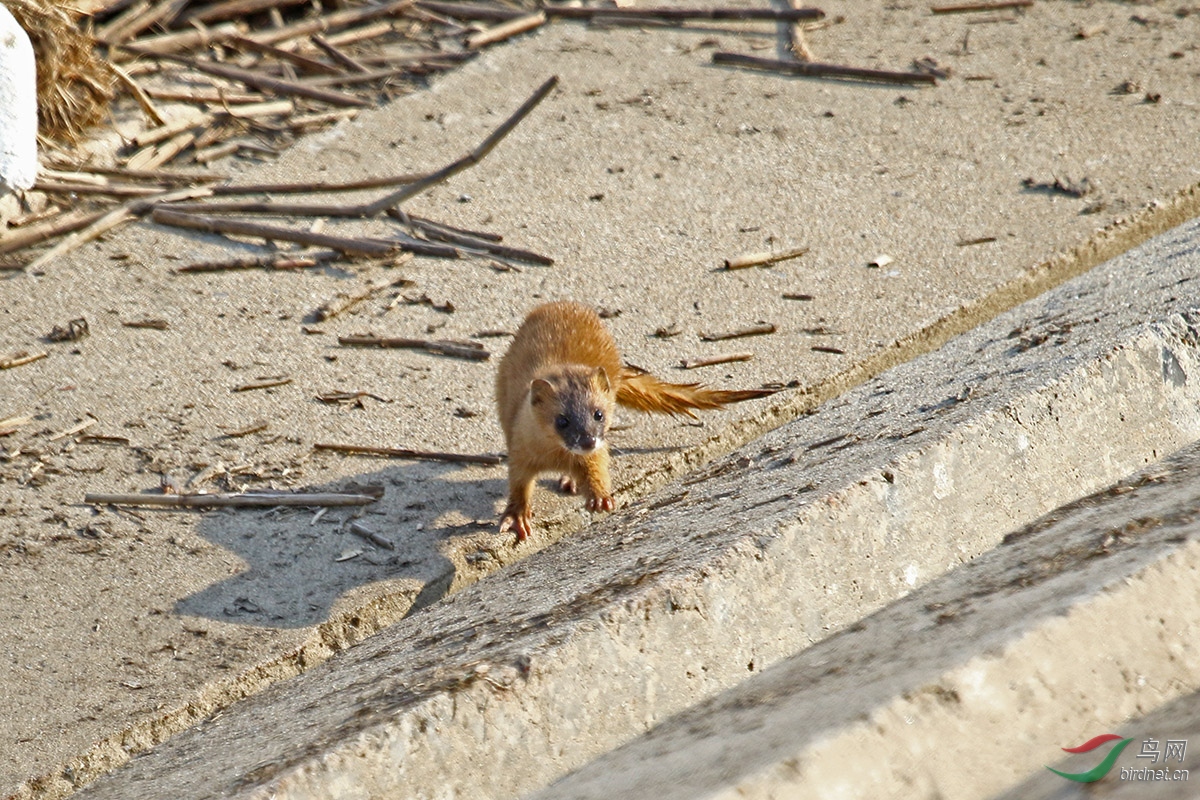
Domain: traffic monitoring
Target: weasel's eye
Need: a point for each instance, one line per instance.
(598, 415)
(562, 423)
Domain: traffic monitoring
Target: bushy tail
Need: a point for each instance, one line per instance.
(642, 391)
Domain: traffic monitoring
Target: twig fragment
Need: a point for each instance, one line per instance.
(21, 359)
(819, 70)
(367, 247)
(684, 14)
(760, 329)
(341, 304)
(280, 261)
(999, 5)
(358, 529)
(472, 351)
(233, 500)
(711, 361)
(487, 459)
(11, 424)
(264, 383)
(506, 30)
(763, 259)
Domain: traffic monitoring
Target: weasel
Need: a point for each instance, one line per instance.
(555, 393)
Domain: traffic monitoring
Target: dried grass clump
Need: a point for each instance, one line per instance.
(74, 84)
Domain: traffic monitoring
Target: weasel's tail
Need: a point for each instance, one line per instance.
(642, 391)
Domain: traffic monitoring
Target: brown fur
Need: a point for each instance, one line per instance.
(563, 367)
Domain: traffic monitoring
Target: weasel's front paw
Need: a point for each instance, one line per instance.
(518, 520)
(601, 503)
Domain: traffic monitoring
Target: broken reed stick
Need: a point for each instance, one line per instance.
(684, 14)
(366, 247)
(471, 351)
(266, 383)
(21, 359)
(318, 187)
(763, 259)
(340, 305)
(819, 70)
(337, 55)
(280, 261)
(74, 429)
(262, 82)
(11, 424)
(358, 529)
(234, 9)
(444, 233)
(969, 7)
(506, 30)
(302, 61)
(711, 361)
(48, 229)
(761, 329)
(231, 500)
(109, 190)
(199, 37)
(420, 455)
(325, 22)
(121, 214)
(476, 11)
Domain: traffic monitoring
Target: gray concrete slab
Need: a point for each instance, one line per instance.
(1074, 624)
(123, 628)
(513, 682)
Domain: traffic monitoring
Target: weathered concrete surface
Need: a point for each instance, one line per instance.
(122, 628)
(1076, 623)
(510, 683)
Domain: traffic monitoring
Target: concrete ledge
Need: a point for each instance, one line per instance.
(510, 684)
(961, 688)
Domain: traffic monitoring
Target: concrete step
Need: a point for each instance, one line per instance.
(1071, 626)
(512, 683)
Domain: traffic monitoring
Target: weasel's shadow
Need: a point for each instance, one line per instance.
(300, 560)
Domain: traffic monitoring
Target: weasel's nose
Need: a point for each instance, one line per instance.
(587, 442)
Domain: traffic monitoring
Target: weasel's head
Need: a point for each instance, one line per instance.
(575, 404)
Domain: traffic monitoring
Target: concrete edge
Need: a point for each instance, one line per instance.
(1079, 621)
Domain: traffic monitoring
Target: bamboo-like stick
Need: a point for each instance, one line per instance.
(443, 347)
(48, 229)
(969, 7)
(280, 261)
(265, 82)
(685, 14)
(506, 30)
(421, 455)
(710, 361)
(231, 500)
(759, 329)
(325, 22)
(763, 259)
(234, 9)
(302, 61)
(818, 70)
(337, 55)
(166, 216)
(21, 359)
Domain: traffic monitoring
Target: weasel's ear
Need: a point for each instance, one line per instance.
(540, 391)
(600, 376)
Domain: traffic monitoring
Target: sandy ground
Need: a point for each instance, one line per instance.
(640, 174)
